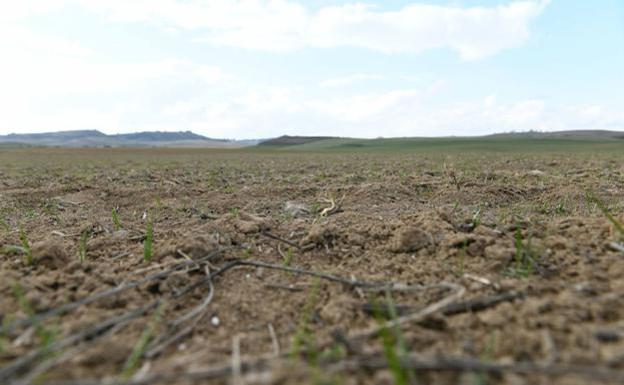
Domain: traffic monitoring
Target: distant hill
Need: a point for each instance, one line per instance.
(571, 134)
(566, 141)
(286, 140)
(94, 138)
(158, 136)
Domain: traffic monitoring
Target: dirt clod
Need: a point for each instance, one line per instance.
(248, 223)
(50, 253)
(409, 239)
(320, 235)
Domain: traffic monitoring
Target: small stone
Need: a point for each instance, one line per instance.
(296, 209)
(215, 321)
(607, 336)
(120, 234)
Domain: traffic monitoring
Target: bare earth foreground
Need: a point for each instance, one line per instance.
(333, 268)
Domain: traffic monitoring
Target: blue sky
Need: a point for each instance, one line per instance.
(252, 68)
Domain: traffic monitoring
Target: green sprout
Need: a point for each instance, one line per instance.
(159, 207)
(288, 257)
(149, 239)
(5, 225)
(303, 337)
(394, 345)
(524, 261)
(140, 347)
(476, 218)
(46, 336)
(6, 321)
(25, 246)
(481, 378)
(605, 210)
(116, 221)
(82, 246)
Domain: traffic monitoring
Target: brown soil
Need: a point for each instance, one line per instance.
(489, 225)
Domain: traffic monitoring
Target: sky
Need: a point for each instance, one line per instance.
(259, 69)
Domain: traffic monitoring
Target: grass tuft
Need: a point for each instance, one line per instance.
(3, 335)
(605, 210)
(304, 338)
(460, 269)
(288, 257)
(82, 246)
(476, 218)
(46, 336)
(5, 225)
(116, 220)
(149, 239)
(25, 246)
(524, 259)
(134, 359)
(305, 341)
(394, 345)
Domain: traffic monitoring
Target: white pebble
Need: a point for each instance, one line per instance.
(215, 320)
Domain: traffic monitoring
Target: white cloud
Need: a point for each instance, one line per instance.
(370, 107)
(283, 25)
(489, 101)
(51, 84)
(349, 80)
(473, 32)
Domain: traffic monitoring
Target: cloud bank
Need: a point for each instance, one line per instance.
(283, 26)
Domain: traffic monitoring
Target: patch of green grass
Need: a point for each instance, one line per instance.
(549, 208)
(460, 145)
(159, 207)
(6, 321)
(31, 213)
(5, 225)
(305, 341)
(461, 262)
(50, 208)
(304, 338)
(116, 221)
(46, 336)
(25, 246)
(288, 257)
(394, 345)
(315, 208)
(481, 378)
(605, 210)
(476, 218)
(132, 363)
(149, 239)
(82, 246)
(524, 259)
